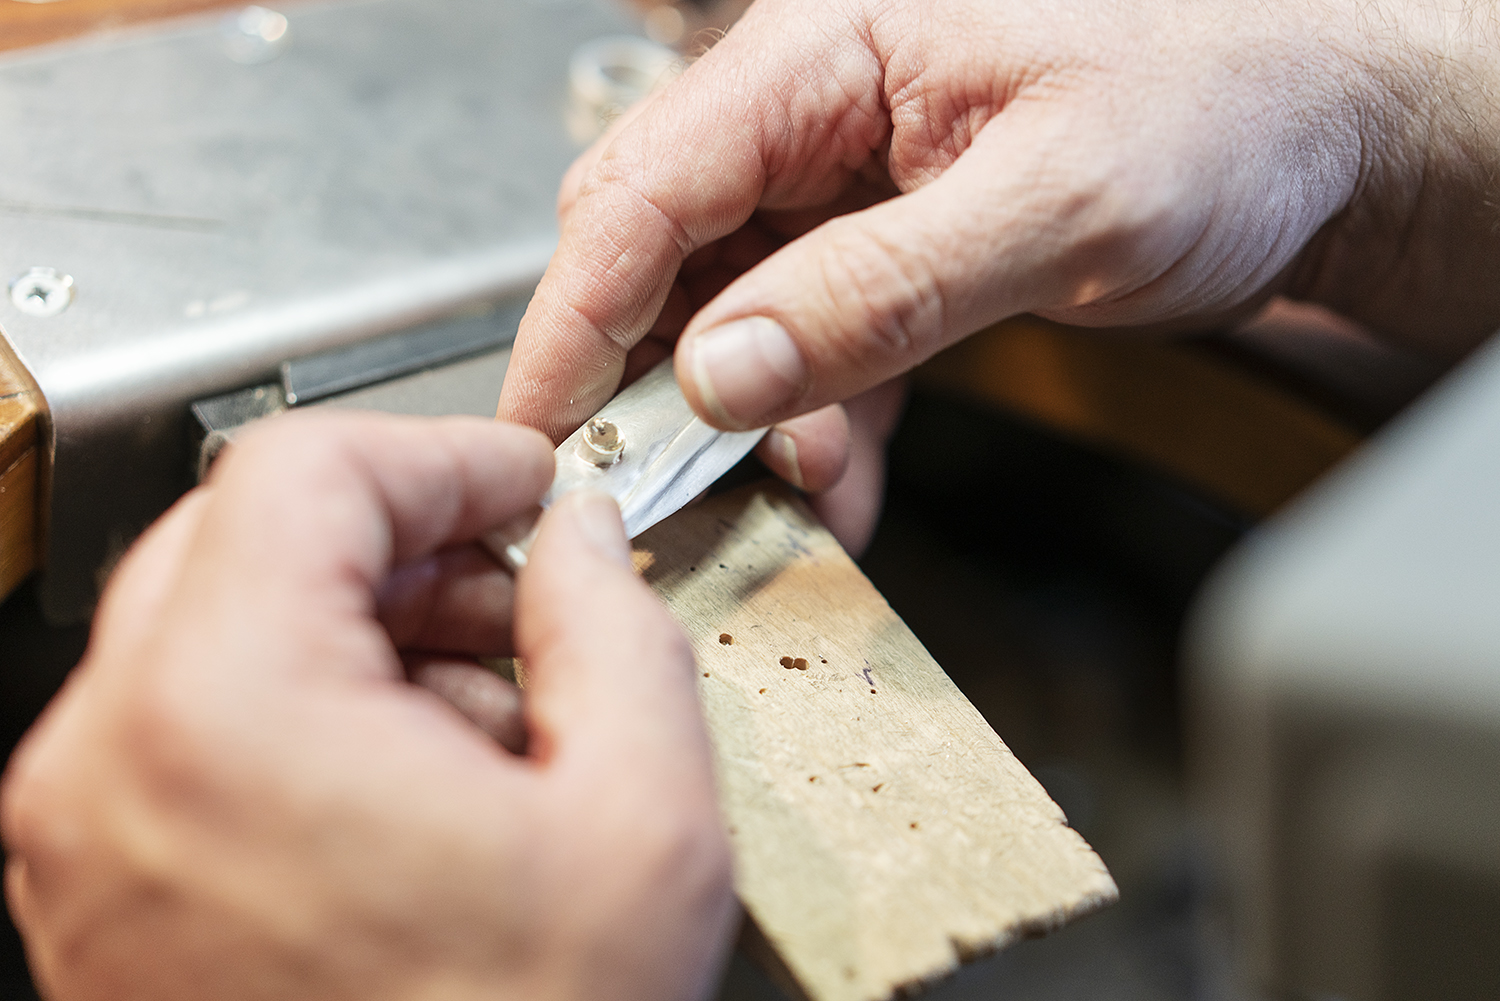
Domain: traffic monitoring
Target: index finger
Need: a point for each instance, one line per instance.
(773, 116)
(307, 516)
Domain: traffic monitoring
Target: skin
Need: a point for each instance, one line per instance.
(838, 190)
(239, 794)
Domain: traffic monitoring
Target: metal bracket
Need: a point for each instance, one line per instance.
(381, 174)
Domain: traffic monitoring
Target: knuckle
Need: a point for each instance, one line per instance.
(622, 183)
(48, 801)
(1116, 228)
(884, 299)
(166, 740)
(28, 804)
(616, 199)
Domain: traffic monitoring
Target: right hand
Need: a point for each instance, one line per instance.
(837, 191)
(239, 795)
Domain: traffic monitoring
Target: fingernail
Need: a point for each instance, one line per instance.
(786, 446)
(597, 518)
(747, 371)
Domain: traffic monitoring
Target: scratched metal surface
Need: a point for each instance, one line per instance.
(399, 160)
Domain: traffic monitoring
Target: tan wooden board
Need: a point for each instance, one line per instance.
(28, 22)
(882, 831)
(17, 522)
(18, 474)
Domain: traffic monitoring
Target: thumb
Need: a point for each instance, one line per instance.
(867, 296)
(610, 675)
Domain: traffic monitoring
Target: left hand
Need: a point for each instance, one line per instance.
(835, 454)
(837, 191)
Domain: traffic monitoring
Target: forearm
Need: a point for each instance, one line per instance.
(1416, 254)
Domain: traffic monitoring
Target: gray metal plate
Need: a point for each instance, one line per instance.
(398, 162)
(1379, 590)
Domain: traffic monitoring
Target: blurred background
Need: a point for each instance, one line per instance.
(1288, 760)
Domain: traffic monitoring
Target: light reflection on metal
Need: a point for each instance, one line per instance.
(254, 35)
(673, 457)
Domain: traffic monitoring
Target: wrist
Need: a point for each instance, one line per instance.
(1416, 254)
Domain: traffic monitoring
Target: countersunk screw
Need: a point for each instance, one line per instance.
(41, 292)
(602, 443)
(254, 35)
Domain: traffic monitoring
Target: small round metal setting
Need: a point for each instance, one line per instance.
(608, 75)
(41, 292)
(602, 443)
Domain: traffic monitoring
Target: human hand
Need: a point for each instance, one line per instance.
(836, 192)
(239, 795)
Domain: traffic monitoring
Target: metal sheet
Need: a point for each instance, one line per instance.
(670, 454)
(660, 455)
(397, 162)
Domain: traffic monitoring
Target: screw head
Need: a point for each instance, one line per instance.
(41, 292)
(602, 443)
(254, 35)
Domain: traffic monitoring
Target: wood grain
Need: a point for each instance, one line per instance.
(1239, 440)
(883, 832)
(23, 23)
(19, 419)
